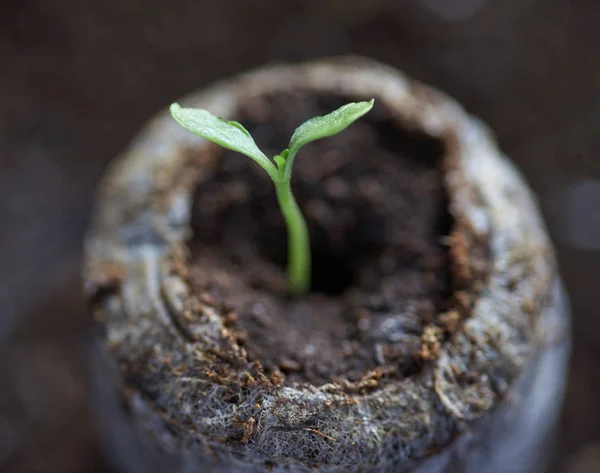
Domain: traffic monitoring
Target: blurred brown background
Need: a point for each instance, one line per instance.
(79, 77)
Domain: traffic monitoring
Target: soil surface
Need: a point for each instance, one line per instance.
(376, 208)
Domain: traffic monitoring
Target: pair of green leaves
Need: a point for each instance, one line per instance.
(234, 136)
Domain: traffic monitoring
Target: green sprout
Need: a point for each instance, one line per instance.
(234, 136)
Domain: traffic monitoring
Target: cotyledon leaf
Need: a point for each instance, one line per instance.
(229, 134)
(327, 125)
(330, 124)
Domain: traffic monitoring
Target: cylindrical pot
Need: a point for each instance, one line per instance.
(435, 339)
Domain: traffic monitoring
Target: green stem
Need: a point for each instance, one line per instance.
(298, 264)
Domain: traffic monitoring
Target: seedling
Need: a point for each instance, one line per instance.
(234, 136)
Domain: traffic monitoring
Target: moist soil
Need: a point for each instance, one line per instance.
(376, 207)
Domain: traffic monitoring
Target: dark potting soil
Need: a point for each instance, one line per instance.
(376, 207)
